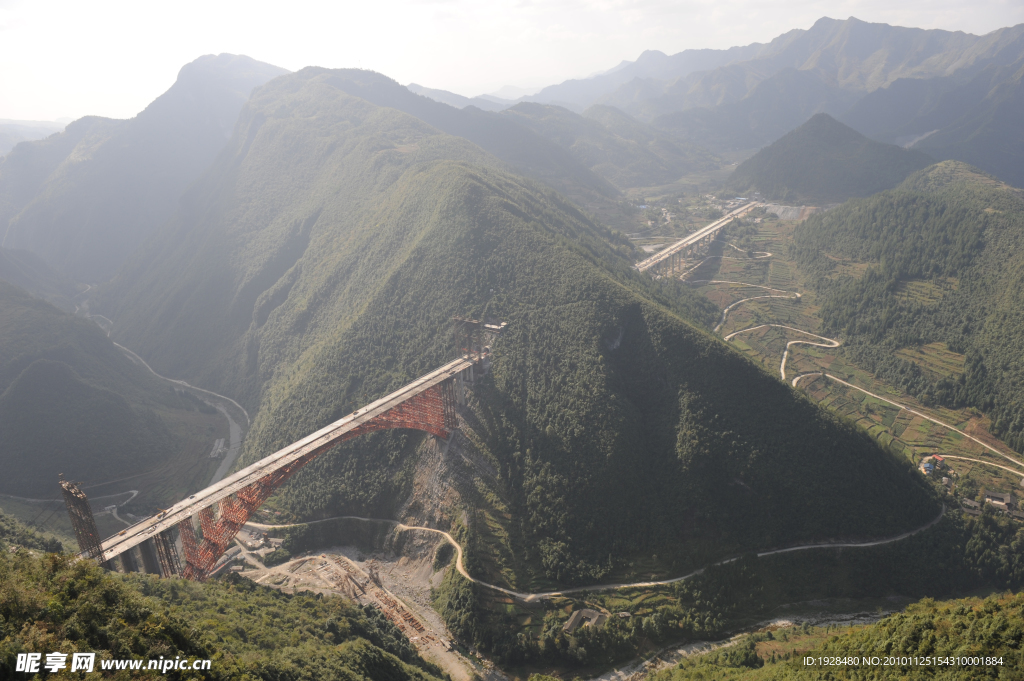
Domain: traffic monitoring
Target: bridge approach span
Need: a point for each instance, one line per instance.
(428, 404)
(671, 255)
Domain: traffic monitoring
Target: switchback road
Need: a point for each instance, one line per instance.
(912, 411)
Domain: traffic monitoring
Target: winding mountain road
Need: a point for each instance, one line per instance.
(912, 411)
(546, 595)
(793, 295)
(235, 432)
(984, 463)
(829, 342)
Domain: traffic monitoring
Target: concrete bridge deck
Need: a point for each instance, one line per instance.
(320, 440)
(702, 233)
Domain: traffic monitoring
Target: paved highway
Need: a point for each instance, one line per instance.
(665, 253)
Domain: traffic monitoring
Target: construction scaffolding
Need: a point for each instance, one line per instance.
(429, 403)
(89, 541)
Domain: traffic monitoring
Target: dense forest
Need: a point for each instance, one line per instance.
(960, 555)
(54, 603)
(318, 267)
(939, 259)
(14, 533)
(923, 642)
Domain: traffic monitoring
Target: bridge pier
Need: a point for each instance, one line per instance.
(150, 563)
(429, 403)
(128, 562)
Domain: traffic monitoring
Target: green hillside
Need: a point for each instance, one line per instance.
(86, 198)
(14, 533)
(824, 161)
(624, 151)
(929, 640)
(72, 403)
(317, 266)
(937, 260)
(52, 603)
(527, 152)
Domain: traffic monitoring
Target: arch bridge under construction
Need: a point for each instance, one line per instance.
(168, 543)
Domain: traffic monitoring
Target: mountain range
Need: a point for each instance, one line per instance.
(14, 132)
(318, 263)
(952, 94)
(301, 242)
(86, 198)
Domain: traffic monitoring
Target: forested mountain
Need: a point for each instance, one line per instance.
(620, 149)
(86, 198)
(458, 101)
(973, 117)
(824, 69)
(56, 603)
(945, 263)
(853, 54)
(318, 264)
(772, 108)
(520, 147)
(824, 161)
(28, 271)
(652, 66)
(72, 403)
(745, 97)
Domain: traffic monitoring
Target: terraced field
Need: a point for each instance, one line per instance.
(764, 288)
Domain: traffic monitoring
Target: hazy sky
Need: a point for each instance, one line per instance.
(66, 59)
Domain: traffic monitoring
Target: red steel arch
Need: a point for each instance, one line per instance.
(432, 410)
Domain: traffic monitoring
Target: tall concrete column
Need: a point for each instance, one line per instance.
(128, 562)
(150, 562)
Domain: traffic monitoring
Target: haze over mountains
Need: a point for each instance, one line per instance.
(13, 132)
(71, 402)
(85, 199)
(891, 83)
(823, 162)
(624, 151)
(300, 242)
